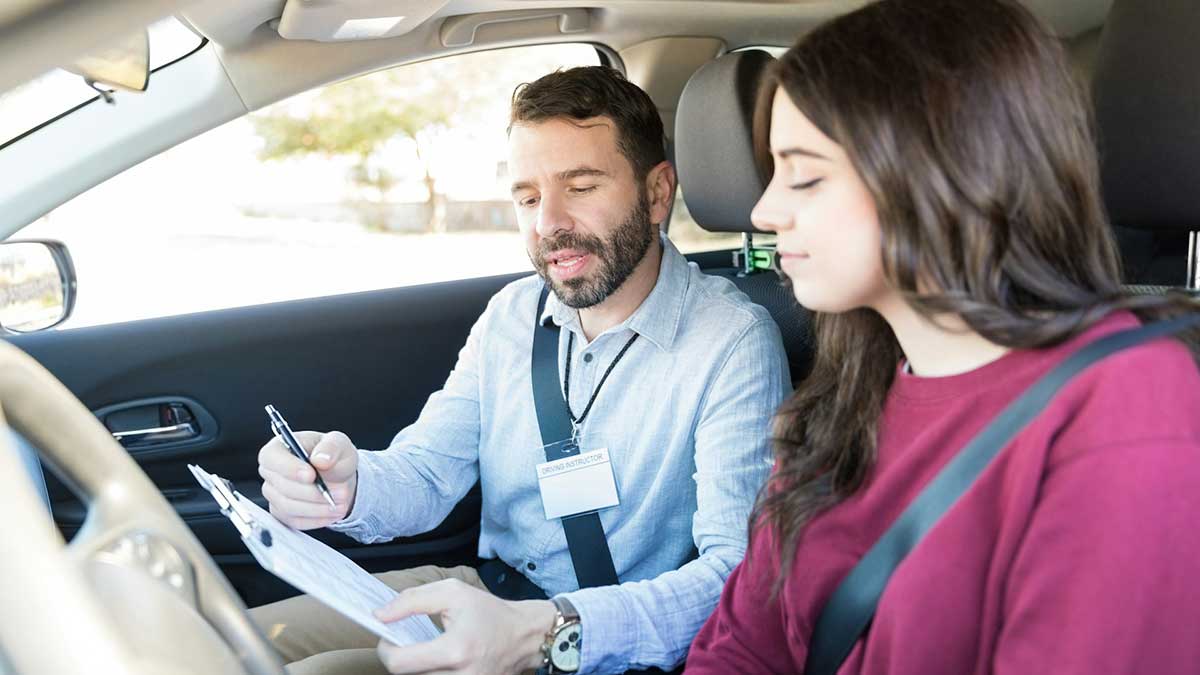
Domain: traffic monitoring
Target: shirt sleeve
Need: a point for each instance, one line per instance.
(1106, 577)
(410, 487)
(746, 633)
(652, 623)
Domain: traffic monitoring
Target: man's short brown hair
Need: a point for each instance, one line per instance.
(597, 91)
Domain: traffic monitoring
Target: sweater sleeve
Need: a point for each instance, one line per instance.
(1107, 576)
(746, 634)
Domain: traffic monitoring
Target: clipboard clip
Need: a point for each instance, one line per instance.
(227, 499)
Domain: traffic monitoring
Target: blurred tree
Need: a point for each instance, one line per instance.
(357, 119)
(417, 104)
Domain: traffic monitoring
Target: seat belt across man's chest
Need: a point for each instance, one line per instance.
(586, 542)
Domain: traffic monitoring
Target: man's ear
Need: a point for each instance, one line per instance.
(660, 190)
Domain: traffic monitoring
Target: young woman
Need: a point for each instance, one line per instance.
(935, 195)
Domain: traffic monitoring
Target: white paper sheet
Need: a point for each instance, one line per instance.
(321, 572)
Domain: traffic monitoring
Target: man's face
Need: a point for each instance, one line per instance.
(584, 216)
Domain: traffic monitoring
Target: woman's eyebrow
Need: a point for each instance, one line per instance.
(798, 151)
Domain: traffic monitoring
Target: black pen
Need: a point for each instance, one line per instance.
(283, 432)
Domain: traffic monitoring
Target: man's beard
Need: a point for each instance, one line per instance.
(618, 257)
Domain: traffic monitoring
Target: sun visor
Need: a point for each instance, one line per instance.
(341, 20)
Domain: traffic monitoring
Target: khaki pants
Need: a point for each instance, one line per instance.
(312, 638)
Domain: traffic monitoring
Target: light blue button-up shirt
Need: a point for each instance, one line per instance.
(685, 417)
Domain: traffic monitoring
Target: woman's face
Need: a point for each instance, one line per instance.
(828, 230)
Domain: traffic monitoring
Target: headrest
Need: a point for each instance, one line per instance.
(1147, 96)
(714, 149)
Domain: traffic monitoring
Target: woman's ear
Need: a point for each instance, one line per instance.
(660, 190)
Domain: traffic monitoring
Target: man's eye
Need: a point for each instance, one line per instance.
(528, 201)
(582, 190)
(807, 185)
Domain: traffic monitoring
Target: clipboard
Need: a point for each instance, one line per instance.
(311, 566)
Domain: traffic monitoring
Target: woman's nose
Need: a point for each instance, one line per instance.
(769, 215)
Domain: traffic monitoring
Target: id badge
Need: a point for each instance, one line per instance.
(578, 483)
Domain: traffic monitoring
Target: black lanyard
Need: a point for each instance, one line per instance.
(576, 422)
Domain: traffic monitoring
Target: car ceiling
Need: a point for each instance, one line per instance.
(266, 67)
(243, 28)
(624, 22)
(660, 42)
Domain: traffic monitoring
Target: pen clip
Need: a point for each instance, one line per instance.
(276, 418)
(282, 431)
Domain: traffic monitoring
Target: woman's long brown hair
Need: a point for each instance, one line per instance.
(975, 140)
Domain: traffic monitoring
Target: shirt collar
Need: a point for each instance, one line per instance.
(657, 318)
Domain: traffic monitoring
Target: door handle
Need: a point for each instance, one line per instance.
(159, 427)
(173, 432)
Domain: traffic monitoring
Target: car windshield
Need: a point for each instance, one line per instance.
(58, 92)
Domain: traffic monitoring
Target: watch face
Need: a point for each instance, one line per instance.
(568, 642)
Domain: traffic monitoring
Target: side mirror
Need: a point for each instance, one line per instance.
(37, 285)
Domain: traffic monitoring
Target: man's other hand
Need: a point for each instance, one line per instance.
(288, 482)
(483, 634)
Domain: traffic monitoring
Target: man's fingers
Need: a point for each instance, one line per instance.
(301, 523)
(332, 453)
(443, 654)
(276, 457)
(335, 457)
(290, 487)
(433, 598)
(298, 508)
(302, 490)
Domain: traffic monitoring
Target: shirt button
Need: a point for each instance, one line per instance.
(587, 358)
(530, 566)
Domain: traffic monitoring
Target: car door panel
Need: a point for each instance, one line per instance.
(362, 363)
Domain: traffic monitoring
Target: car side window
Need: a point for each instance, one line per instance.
(385, 180)
(689, 237)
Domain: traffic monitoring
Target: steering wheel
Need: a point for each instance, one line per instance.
(134, 591)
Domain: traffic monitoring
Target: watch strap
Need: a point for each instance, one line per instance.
(565, 616)
(566, 610)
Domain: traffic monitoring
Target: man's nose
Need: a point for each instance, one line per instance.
(552, 217)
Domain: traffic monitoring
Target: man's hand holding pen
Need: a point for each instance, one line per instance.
(288, 481)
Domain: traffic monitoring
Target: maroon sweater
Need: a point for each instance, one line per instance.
(1076, 551)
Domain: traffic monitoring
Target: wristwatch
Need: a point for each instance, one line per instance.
(564, 642)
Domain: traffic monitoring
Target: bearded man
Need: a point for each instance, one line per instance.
(614, 408)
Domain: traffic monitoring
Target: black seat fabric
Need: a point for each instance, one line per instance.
(768, 290)
(714, 155)
(1147, 98)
